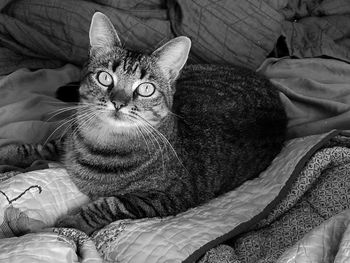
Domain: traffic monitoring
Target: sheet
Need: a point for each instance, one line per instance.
(29, 110)
(315, 93)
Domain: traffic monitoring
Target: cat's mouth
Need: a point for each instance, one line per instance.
(118, 115)
(120, 121)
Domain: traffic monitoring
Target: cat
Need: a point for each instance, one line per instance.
(148, 143)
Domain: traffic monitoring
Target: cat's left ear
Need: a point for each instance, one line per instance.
(172, 56)
(102, 33)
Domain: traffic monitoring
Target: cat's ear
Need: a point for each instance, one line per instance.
(102, 33)
(172, 56)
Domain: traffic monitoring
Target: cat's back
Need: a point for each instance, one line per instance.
(232, 124)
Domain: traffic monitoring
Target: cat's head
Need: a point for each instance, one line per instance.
(128, 89)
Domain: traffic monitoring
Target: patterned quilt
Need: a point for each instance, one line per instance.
(309, 224)
(267, 219)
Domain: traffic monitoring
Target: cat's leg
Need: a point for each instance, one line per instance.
(24, 155)
(105, 210)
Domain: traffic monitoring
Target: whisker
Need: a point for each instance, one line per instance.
(67, 109)
(58, 102)
(140, 126)
(176, 115)
(84, 120)
(82, 116)
(140, 131)
(156, 140)
(69, 122)
(61, 125)
(166, 141)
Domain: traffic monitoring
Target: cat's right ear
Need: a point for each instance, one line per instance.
(102, 33)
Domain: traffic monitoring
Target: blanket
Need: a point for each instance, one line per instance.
(32, 201)
(273, 204)
(48, 34)
(310, 224)
(263, 220)
(315, 93)
(58, 34)
(28, 104)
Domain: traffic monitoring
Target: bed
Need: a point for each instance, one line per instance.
(295, 211)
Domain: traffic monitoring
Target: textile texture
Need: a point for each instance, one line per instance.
(224, 32)
(319, 192)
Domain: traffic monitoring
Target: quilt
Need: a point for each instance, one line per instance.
(304, 186)
(310, 224)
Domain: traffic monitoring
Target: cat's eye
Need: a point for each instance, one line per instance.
(104, 78)
(145, 89)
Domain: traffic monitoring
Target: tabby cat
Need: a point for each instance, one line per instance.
(139, 148)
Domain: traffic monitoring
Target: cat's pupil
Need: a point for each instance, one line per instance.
(104, 78)
(145, 89)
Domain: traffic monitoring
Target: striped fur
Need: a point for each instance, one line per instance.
(159, 155)
(146, 161)
(17, 156)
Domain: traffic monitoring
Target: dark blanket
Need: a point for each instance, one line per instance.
(49, 33)
(317, 28)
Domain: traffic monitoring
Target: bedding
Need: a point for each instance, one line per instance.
(278, 217)
(28, 103)
(48, 34)
(315, 93)
(30, 202)
(311, 220)
(46, 247)
(305, 185)
(60, 35)
(123, 240)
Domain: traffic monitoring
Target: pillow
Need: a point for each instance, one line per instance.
(241, 32)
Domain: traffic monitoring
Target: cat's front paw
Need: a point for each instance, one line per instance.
(75, 221)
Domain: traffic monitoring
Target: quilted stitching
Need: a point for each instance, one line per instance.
(320, 192)
(176, 238)
(170, 239)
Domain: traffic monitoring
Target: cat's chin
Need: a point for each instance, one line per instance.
(119, 122)
(121, 126)
(108, 132)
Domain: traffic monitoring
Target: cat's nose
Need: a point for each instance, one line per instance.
(118, 105)
(119, 98)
